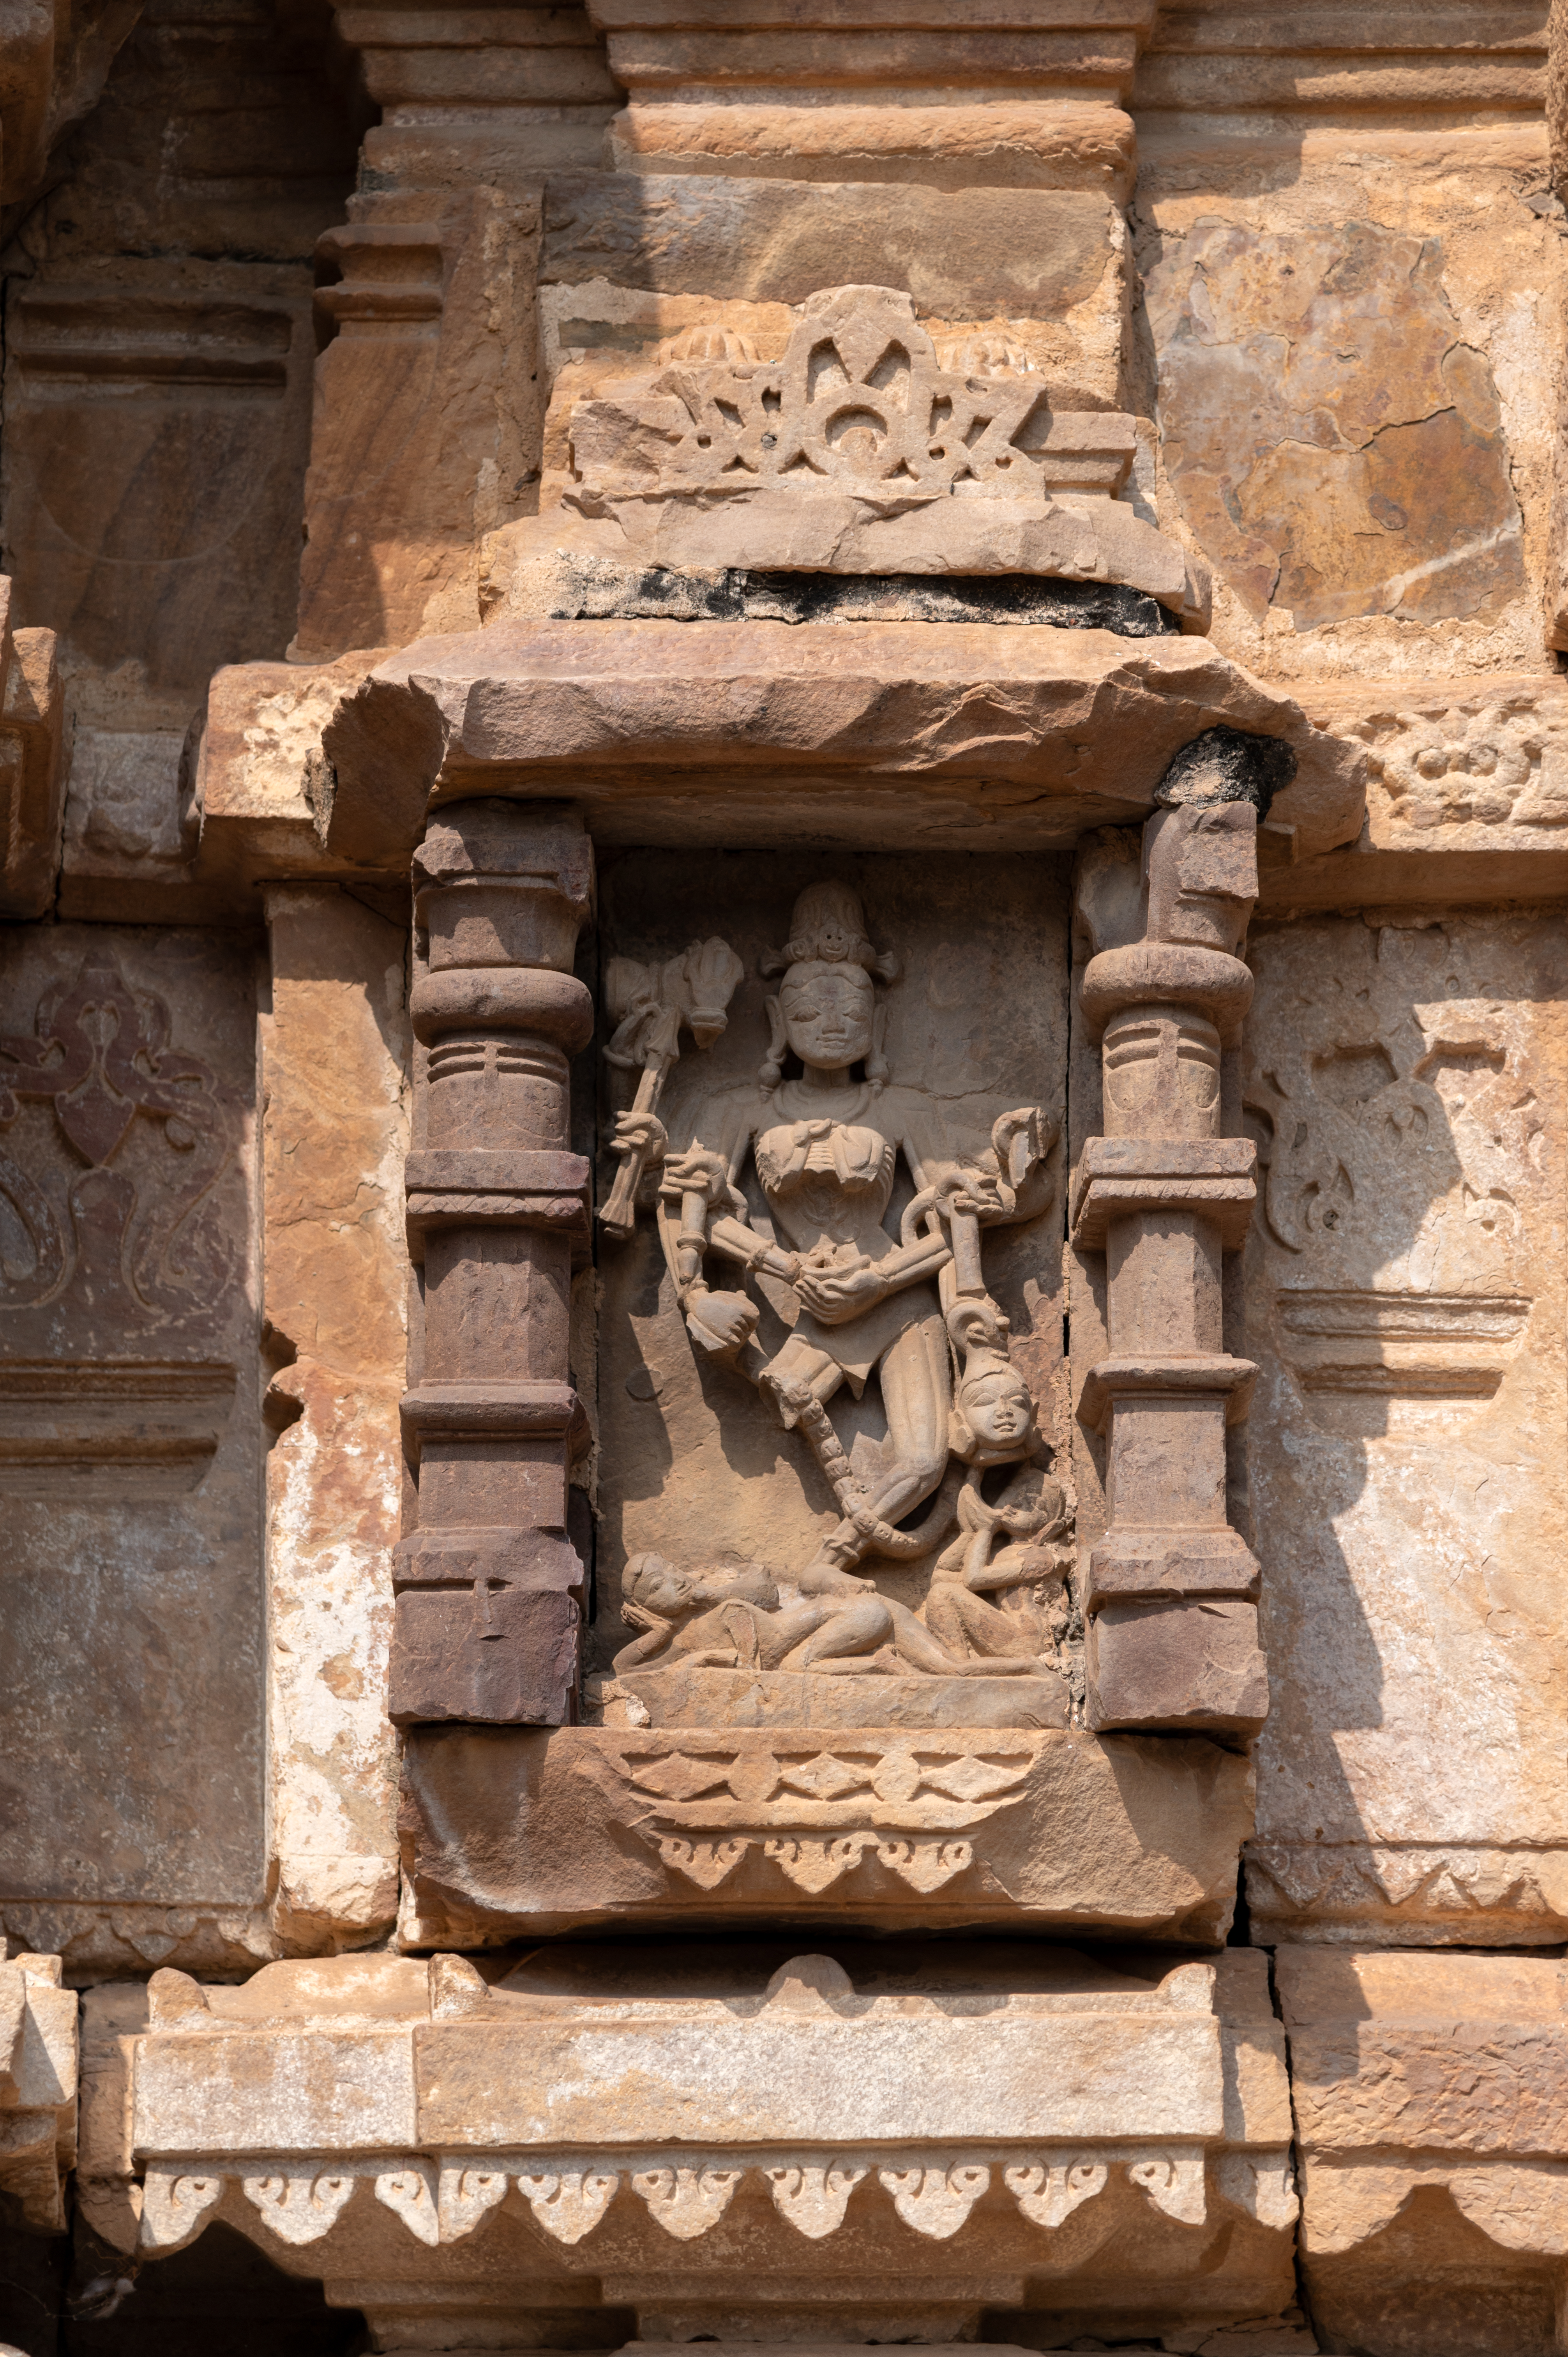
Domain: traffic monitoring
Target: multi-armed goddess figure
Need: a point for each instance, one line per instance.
(825, 1145)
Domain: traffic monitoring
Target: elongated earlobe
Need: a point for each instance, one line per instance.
(771, 1070)
(876, 1062)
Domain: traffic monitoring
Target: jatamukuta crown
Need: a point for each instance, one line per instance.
(828, 927)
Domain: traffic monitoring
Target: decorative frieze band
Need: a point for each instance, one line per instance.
(442, 2198)
(815, 1862)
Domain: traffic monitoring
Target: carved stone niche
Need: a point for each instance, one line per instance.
(1170, 1596)
(836, 1665)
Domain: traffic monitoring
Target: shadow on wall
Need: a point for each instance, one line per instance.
(1400, 1291)
(59, 2296)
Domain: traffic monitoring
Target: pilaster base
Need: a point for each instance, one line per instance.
(1193, 1664)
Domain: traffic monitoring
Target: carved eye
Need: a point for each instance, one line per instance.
(770, 441)
(705, 441)
(936, 452)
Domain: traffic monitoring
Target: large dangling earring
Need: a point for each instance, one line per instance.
(770, 1072)
(876, 1062)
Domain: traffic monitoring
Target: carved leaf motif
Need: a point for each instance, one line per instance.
(813, 2197)
(677, 1777)
(687, 2202)
(464, 2197)
(705, 1863)
(926, 1865)
(299, 2207)
(856, 399)
(412, 2193)
(816, 1865)
(569, 2202)
(971, 1778)
(1047, 2195)
(934, 2202)
(1174, 2182)
(173, 2207)
(824, 1778)
(1299, 1874)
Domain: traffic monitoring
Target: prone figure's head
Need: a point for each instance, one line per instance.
(672, 1593)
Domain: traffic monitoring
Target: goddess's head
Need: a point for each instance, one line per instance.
(826, 1011)
(829, 1015)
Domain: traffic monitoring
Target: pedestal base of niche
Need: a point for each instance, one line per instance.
(511, 1832)
(721, 2140)
(730, 1698)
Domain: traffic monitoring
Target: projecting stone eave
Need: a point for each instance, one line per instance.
(876, 735)
(434, 2138)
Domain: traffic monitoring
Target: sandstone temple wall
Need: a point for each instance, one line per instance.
(783, 1177)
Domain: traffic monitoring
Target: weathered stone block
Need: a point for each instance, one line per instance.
(965, 255)
(515, 1834)
(1404, 1310)
(1428, 2095)
(130, 1442)
(817, 2145)
(1195, 1665)
(335, 1052)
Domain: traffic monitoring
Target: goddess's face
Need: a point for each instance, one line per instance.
(997, 1409)
(827, 1013)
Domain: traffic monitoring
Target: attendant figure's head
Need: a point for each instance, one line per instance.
(993, 1420)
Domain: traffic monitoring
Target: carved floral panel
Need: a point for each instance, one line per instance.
(129, 1431)
(1405, 1303)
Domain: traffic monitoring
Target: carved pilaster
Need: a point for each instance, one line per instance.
(489, 1584)
(32, 778)
(1171, 1588)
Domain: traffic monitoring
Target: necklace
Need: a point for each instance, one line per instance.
(840, 1114)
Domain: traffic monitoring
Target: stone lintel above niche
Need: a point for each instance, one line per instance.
(881, 735)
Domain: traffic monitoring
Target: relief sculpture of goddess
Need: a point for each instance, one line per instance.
(823, 1127)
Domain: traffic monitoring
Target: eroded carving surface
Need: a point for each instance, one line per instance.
(1406, 1306)
(863, 448)
(1317, 490)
